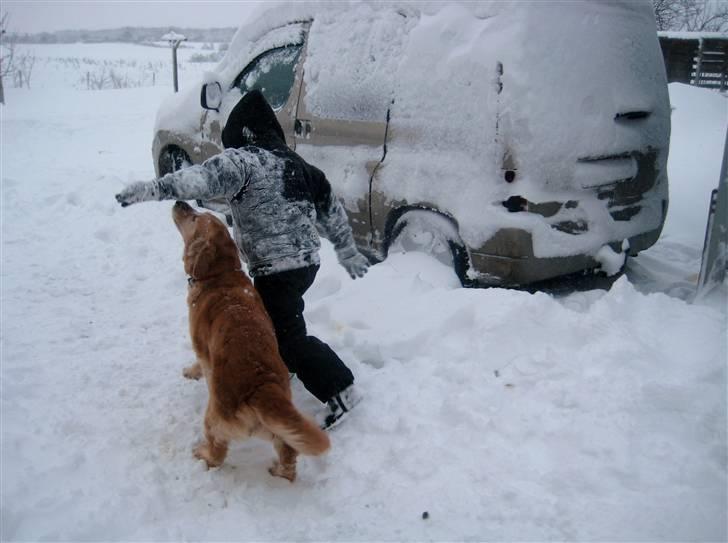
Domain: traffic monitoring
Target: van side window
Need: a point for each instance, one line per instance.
(272, 73)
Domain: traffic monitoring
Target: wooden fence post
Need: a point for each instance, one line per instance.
(699, 64)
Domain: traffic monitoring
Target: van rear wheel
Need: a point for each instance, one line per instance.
(433, 234)
(173, 159)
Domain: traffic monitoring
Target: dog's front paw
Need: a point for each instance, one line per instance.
(202, 452)
(193, 372)
(279, 470)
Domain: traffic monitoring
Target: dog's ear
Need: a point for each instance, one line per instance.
(199, 257)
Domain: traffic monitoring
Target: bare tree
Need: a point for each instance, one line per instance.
(665, 14)
(708, 16)
(691, 15)
(7, 53)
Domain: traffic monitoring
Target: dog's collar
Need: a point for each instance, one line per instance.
(191, 280)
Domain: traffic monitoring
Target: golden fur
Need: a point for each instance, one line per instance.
(237, 352)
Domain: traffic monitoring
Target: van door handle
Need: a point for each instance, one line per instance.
(302, 128)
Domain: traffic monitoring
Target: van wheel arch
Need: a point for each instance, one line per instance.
(173, 158)
(404, 225)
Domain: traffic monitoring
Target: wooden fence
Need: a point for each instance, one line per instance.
(696, 58)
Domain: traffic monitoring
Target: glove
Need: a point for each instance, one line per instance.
(353, 261)
(140, 191)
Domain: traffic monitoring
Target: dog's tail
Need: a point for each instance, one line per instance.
(277, 413)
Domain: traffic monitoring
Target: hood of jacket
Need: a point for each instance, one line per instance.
(253, 122)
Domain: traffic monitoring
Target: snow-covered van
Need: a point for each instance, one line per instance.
(518, 141)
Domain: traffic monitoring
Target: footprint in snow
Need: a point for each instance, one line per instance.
(74, 199)
(106, 235)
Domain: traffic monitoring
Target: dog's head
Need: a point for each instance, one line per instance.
(209, 249)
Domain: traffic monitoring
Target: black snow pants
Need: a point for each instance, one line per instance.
(318, 367)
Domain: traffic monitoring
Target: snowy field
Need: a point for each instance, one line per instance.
(104, 65)
(501, 414)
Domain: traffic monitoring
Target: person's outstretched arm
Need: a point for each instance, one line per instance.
(333, 224)
(218, 177)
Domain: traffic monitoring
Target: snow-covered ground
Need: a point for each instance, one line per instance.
(501, 414)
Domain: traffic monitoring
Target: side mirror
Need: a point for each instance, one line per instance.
(211, 96)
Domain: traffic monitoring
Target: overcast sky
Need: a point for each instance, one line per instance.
(48, 15)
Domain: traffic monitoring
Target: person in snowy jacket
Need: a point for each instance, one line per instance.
(279, 205)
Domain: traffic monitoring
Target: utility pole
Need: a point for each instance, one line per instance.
(174, 40)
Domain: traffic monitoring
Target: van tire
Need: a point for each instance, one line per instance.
(173, 159)
(431, 233)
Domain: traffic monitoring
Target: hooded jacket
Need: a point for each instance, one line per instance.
(279, 202)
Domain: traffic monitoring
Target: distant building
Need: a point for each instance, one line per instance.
(696, 58)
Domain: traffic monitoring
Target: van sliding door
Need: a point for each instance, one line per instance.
(346, 96)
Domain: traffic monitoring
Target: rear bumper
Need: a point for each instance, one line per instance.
(507, 271)
(619, 197)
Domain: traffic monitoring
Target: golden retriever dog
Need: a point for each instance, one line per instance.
(237, 352)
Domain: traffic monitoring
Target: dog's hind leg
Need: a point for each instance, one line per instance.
(214, 449)
(285, 466)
